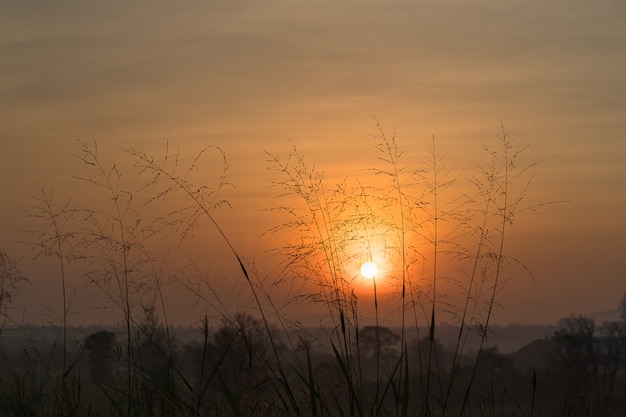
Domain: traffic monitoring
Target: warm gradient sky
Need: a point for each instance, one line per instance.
(253, 76)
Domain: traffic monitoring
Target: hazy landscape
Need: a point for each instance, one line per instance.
(425, 257)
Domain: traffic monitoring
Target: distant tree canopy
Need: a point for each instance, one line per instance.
(101, 349)
(589, 359)
(242, 353)
(575, 337)
(377, 338)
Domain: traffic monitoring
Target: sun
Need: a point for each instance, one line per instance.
(369, 270)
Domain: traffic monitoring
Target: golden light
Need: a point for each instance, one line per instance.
(369, 270)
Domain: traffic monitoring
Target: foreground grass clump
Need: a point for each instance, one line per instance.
(252, 359)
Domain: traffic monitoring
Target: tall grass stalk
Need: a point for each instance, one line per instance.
(366, 220)
(116, 234)
(336, 225)
(391, 156)
(436, 180)
(407, 202)
(316, 223)
(320, 255)
(203, 201)
(321, 221)
(487, 194)
(53, 241)
(507, 205)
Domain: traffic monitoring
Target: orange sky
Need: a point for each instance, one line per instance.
(263, 76)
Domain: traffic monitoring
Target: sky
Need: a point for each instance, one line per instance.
(254, 78)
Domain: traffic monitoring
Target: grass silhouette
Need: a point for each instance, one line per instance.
(250, 366)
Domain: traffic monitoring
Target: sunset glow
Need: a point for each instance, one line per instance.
(369, 270)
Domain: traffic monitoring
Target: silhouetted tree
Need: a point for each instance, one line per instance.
(243, 355)
(611, 347)
(421, 350)
(387, 341)
(155, 360)
(10, 278)
(575, 339)
(101, 348)
(576, 364)
(497, 381)
(428, 360)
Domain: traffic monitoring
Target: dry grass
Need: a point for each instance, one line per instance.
(249, 366)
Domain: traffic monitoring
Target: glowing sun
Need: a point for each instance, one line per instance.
(369, 270)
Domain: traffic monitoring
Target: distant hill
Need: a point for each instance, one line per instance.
(507, 338)
(536, 355)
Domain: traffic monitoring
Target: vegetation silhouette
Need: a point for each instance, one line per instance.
(250, 365)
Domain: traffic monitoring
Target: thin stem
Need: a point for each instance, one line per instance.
(505, 217)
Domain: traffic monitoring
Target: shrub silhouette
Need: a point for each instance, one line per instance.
(10, 280)
(101, 348)
(587, 366)
(243, 353)
(378, 340)
(241, 367)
